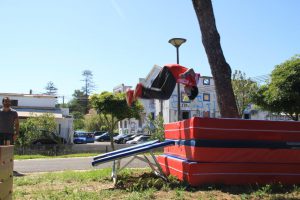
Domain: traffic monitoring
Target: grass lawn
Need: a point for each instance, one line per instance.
(24, 157)
(135, 184)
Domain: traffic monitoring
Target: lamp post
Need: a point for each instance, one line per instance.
(177, 42)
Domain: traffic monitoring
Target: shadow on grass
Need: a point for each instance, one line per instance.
(18, 174)
(144, 181)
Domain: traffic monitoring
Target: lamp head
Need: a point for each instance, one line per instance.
(176, 42)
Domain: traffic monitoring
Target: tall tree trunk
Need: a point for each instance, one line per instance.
(221, 70)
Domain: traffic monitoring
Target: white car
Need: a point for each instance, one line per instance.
(139, 139)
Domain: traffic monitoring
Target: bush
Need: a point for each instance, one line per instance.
(36, 127)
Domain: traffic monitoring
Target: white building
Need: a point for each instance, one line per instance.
(255, 113)
(204, 105)
(28, 105)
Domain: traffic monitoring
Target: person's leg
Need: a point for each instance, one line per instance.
(2, 139)
(10, 138)
(160, 78)
(157, 83)
(129, 97)
(162, 86)
(6, 139)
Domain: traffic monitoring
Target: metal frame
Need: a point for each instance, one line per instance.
(155, 167)
(134, 151)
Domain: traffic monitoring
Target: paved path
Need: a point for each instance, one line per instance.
(61, 164)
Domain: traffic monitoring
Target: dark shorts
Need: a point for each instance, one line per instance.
(4, 137)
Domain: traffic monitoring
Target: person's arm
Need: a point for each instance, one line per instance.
(187, 73)
(17, 128)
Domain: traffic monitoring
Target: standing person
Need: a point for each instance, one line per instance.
(9, 123)
(164, 84)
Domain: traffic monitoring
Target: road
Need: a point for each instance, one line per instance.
(61, 164)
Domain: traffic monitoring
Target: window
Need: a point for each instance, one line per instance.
(206, 114)
(125, 124)
(152, 115)
(206, 97)
(185, 98)
(206, 81)
(121, 124)
(185, 115)
(247, 116)
(14, 102)
(59, 128)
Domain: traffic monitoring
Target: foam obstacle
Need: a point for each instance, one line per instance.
(233, 151)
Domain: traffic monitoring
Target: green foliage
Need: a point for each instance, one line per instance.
(36, 127)
(50, 88)
(78, 124)
(115, 105)
(94, 122)
(77, 104)
(113, 108)
(89, 84)
(243, 89)
(156, 128)
(282, 94)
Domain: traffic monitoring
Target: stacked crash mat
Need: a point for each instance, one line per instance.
(233, 151)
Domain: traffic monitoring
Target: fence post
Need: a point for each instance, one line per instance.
(6, 172)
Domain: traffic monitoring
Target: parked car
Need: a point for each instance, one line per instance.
(49, 138)
(139, 139)
(119, 139)
(97, 134)
(79, 137)
(82, 137)
(104, 137)
(90, 138)
(130, 137)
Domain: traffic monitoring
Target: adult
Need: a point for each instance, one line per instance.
(163, 85)
(9, 123)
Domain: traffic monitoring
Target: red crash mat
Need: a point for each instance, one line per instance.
(234, 155)
(197, 173)
(237, 129)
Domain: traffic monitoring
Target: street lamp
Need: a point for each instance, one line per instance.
(177, 42)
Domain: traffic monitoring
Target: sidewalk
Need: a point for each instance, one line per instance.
(62, 164)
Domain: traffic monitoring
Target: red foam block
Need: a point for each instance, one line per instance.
(234, 155)
(196, 173)
(233, 129)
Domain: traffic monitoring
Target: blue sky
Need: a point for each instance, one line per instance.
(120, 40)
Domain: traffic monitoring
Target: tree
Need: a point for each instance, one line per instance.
(77, 103)
(221, 70)
(156, 127)
(113, 108)
(36, 127)
(94, 122)
(282, 93)
(78, 123)
(50, 88)
(243, 89)
(88, 87)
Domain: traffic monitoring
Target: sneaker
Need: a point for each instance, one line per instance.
(138, 91)
(129, 97)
